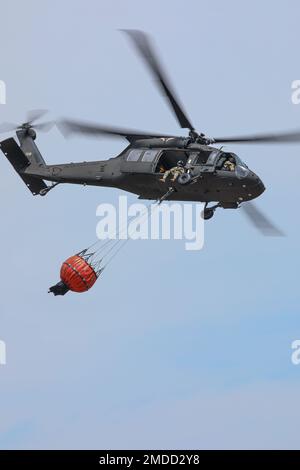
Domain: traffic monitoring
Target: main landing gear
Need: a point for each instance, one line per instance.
(208, 212)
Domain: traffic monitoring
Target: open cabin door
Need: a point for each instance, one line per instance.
(169, 158)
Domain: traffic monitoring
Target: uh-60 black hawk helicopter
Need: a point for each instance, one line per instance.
(208, 174)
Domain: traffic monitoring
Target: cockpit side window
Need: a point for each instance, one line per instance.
(202, 157)
(221, 161)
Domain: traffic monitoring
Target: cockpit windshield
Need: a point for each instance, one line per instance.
(239, 161)
(228, 161)
(241, 168)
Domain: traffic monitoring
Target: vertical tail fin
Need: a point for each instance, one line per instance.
(20, 161)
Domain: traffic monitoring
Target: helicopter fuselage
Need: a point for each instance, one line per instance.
(139, 168)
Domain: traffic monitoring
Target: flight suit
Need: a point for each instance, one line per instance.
(175, 172)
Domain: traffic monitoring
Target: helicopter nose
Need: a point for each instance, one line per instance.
(254, 186)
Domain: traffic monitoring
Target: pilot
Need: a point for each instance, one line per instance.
(175, 172)
(229, 164)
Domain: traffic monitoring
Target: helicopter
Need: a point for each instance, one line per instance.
(210, 175)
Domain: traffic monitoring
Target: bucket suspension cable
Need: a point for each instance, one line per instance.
(80, 272)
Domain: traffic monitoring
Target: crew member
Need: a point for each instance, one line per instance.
(175, 172)
(229, 164)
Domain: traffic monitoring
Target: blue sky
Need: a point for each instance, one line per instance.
(171, 349)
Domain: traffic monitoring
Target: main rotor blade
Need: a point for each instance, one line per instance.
(260, 221)
(145, 49)
(69, 127)
(279, 138)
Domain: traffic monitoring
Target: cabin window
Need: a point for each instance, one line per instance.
(149, 155)
(134, 155)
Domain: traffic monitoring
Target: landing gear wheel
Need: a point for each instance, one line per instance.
(207, 214)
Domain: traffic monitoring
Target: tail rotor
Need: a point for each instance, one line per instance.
(30, 125)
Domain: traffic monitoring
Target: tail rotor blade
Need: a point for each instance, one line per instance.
(35, 114)
(7, 127)
(44, 126)
(32, 116)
